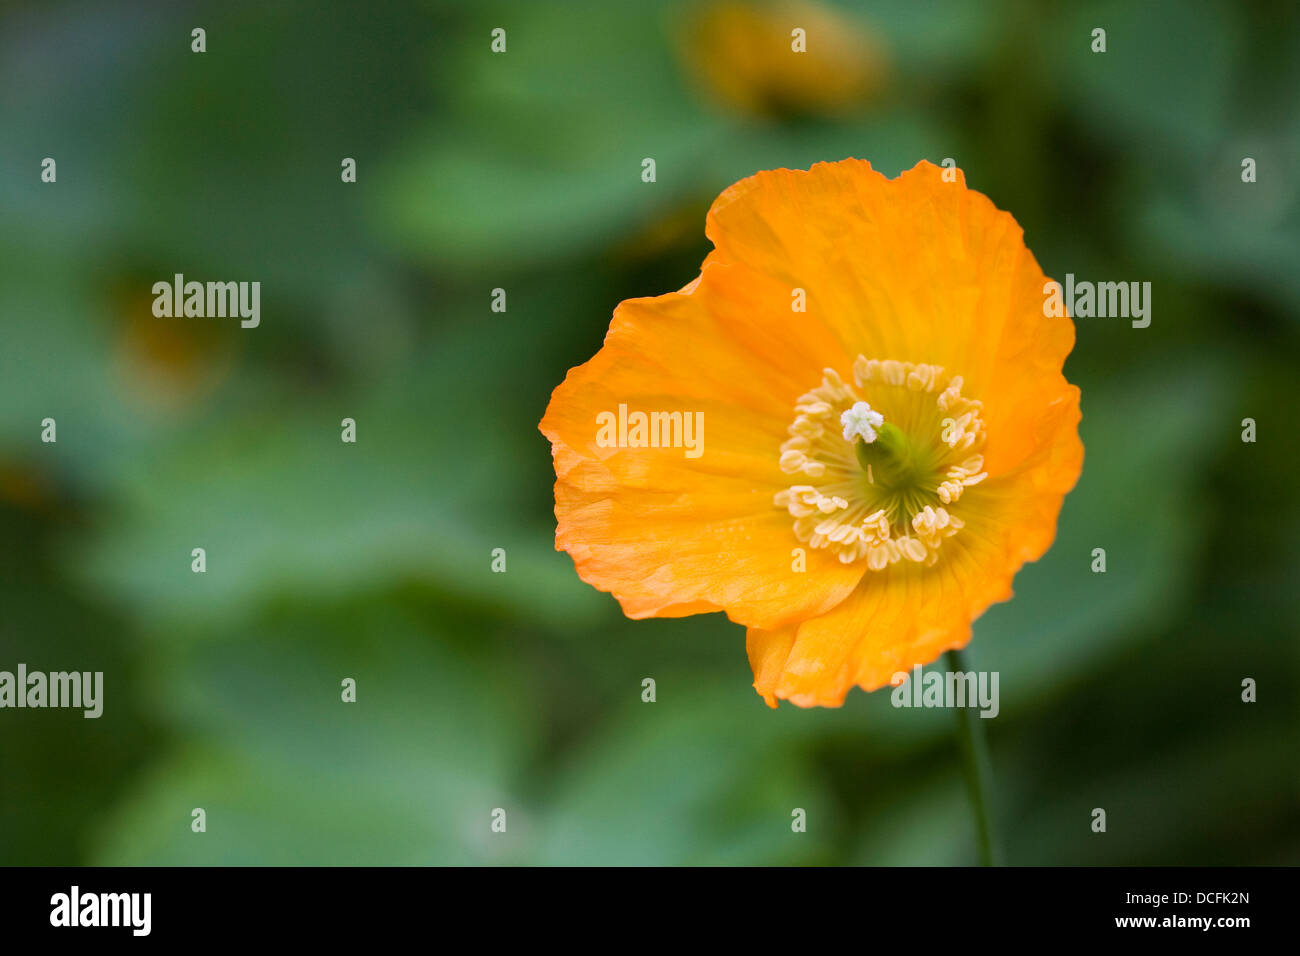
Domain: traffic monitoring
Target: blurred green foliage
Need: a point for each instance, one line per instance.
(522, 690)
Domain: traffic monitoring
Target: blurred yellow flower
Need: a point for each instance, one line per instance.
(165, 365)
(790, 57)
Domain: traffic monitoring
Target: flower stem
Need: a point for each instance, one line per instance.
(979, 774)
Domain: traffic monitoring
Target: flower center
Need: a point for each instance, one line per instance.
(887, 460)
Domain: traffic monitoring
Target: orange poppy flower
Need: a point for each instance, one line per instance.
(848, 433)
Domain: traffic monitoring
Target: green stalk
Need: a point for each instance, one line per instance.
(979, 773)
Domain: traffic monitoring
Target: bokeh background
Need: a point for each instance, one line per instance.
(522, 171)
